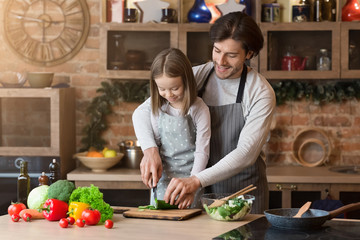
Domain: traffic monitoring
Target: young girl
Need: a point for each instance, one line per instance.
(180, 121)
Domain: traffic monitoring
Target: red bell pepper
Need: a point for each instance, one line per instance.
(54, 209)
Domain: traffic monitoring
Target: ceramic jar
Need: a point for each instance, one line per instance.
(351, 11)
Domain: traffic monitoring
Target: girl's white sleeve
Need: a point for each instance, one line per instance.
(143, 125)
(201, 117)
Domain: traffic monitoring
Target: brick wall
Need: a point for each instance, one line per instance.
(340, 121)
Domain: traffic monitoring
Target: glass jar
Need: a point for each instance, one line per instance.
(324, 61)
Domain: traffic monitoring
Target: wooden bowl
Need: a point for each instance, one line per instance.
(312, 152)
(317, 141)
(40, 79)
(98, 164)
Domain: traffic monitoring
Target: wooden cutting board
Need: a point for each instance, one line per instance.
(169, 214)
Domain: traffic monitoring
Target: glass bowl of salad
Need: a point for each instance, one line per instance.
(231, 210)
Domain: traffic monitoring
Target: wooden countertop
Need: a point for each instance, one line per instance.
(199, 227)
(299, 174)
(122, 178)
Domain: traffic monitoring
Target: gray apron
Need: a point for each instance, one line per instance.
(177, 136)
(227, 122)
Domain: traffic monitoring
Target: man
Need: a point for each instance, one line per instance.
(241, 104)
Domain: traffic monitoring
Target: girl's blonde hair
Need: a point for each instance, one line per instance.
(173, 63)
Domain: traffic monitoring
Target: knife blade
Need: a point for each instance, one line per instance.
(154, 190)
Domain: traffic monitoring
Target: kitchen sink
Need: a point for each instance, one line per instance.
(346, 169)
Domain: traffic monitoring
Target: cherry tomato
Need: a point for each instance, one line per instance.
(27, 217)
(15, 208)
(71, 220)
(63, 223)
(15, 217)
(80, 222)
(109, 224)
(91, 216)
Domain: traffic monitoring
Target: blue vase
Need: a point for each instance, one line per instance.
(199, 12)
(247, 3)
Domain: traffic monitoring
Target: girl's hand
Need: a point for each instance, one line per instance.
(180, 187)
(188, 200)
(151, 167)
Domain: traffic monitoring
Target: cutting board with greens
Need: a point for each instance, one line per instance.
(165, 214)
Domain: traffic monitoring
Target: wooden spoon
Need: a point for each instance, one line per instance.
(221, 201)
(303, 209)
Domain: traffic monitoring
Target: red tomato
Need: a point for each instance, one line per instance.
(71, 220)
(63, 223)
(27, 217)
(109, 224)
(80, 222)
(91, 216)
(15, 217)
(16, 208)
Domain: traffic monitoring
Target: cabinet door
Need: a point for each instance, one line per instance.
(140, 43)
(350, 50)
(194, 41)
(294, 195)
(305, 41)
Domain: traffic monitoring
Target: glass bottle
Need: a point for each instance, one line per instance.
(317, 10)
(23, 184)
(328, 11)
(43, 179)
(118, 53)
(324, 61)
(54, 171)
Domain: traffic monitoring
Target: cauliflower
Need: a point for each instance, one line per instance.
(61, 190)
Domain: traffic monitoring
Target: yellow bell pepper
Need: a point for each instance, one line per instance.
(76, 209)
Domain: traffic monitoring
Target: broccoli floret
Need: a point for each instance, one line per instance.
(61, 190)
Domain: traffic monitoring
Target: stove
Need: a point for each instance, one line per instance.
(261, 229)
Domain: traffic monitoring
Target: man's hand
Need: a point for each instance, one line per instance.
(181, 187)
(151, 167)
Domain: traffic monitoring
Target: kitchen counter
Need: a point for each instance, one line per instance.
(199, 227)
(122, 178)
(299, 174)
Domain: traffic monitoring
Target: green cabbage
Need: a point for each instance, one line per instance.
(37, 197)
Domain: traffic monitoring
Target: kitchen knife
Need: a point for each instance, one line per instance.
(154, 190)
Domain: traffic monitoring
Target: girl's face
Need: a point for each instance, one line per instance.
(172, 89)
(229, 57)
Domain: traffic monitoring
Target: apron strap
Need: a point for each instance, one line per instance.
(241, 84)
(202, 89)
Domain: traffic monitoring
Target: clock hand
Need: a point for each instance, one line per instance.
(29, 18)
(38, 19)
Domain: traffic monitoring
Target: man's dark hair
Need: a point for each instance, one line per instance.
(239, 27)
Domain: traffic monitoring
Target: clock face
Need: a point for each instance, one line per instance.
(46, 32)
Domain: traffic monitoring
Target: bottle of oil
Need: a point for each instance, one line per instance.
(54, 171)
(23, 184)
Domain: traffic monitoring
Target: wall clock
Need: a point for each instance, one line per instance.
(46, 32)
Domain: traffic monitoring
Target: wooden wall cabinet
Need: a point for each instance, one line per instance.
(45, 124)
(350, 50)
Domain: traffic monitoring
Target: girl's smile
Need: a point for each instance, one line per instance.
(172, 89)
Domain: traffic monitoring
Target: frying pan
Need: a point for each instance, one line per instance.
(311, 219)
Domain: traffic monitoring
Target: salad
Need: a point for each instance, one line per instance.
(233, 209)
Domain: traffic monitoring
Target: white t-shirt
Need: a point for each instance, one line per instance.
(258, 104)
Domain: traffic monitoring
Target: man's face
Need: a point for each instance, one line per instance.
(229, 57)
